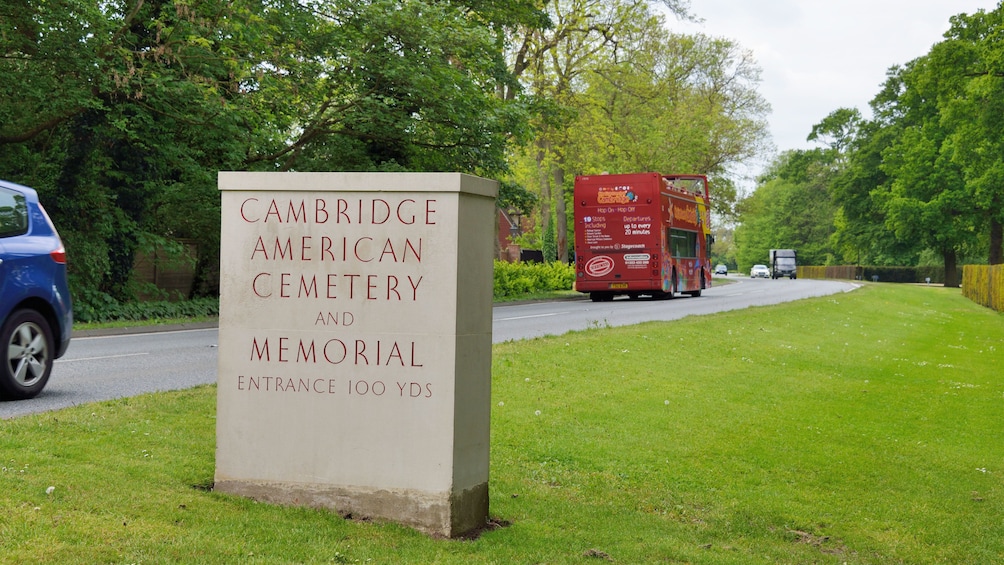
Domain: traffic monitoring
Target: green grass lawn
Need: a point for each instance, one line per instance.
(858, 428)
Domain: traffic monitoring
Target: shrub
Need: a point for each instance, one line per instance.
(517, 279)
(104, 308)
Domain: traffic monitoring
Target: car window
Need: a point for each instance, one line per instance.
(13, 213)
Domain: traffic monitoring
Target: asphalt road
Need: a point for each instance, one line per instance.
(522, 321)
(106, 365)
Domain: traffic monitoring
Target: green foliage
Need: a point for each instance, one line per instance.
(121, 114)
(927, 173)
(517, 279)
(612, 89)
(838, 130)
(550, 244)
(850, 429)
(861, 235)
(791, 209)
(968, 61)
(99, 307)
(515, 196)
(670, 104)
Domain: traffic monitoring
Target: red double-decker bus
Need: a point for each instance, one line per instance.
(643, 234)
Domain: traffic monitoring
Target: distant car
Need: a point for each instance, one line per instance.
(721, 270)
(35, 314)
(760, 271)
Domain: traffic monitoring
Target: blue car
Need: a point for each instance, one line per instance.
(35, 312)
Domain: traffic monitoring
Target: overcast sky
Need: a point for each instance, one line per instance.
(821, 55)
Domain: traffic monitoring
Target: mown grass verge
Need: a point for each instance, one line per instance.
(861, 428)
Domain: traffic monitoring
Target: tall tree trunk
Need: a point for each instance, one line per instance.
(951, 276)
(996, 242)
(559, 213)
(545, 186)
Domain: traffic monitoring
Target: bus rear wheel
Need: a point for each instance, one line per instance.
(696, 293)
(673, 285)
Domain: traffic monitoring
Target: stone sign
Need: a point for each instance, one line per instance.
(355, 344)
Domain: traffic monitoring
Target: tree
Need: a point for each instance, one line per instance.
(550, 64)
(627, 95)
(672, 104)
(385, 84)
(790, 209)
(926, 197)
(116, 112)
(861, 236)
(121, 112)
(972, 60)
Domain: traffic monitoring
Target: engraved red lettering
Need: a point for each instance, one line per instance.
(320, 211)
(304, 247)
(361, 352)
(405, 219)
(297, 214)
(414, 287)
(259, 246)
(429, 211)
(352, 285)
(416, 252)
(331, 351)
(244, 215)
(392, 287)
(326, 249)
(284, 285)
(342, 211)
(306, 355)
(388, 249)
(283, 348)
(261, 352)
(384, 210)
(356, 249)
(258, 291)
(273, 210)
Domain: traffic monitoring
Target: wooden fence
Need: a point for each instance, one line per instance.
(162, 274)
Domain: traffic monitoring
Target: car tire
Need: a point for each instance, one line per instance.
(28, 351)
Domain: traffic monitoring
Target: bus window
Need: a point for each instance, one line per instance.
(684, 243)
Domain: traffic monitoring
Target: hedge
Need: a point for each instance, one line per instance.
(884, 274)
(517, 279)
(984, 285)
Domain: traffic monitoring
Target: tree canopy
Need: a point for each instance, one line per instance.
(120, 113)
(925, 175)
(619, 92)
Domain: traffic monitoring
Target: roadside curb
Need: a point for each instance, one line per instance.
(133, 330)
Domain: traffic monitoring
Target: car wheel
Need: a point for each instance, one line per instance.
(28, 355)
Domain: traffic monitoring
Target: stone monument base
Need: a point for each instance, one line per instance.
(440, 514)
